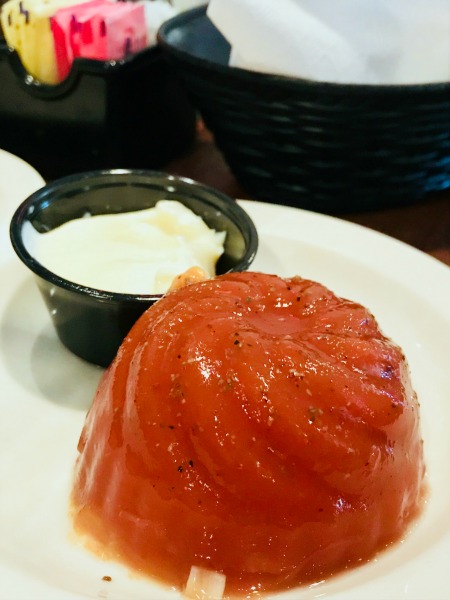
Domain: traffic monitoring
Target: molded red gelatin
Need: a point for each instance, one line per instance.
(257, 426)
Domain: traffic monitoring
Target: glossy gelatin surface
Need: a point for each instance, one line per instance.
(252, 425)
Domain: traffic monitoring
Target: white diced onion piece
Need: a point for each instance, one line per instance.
(204, 584)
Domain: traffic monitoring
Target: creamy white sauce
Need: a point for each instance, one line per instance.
(134, 253)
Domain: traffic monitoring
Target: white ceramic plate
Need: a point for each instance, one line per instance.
(45, 392)
(18, 179)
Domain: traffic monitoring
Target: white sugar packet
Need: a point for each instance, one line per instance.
(182, 5)
(156, 12)
(344, 41)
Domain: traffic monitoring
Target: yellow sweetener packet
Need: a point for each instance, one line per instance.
(27, 29)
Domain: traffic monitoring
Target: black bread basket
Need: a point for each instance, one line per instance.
(321, 146)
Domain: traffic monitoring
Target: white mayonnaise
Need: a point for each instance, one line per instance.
(134, 253)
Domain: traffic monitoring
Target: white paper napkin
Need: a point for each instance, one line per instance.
(345, 41)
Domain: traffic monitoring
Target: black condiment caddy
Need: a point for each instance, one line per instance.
(112, 114)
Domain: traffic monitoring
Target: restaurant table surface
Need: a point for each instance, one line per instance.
(424, 225)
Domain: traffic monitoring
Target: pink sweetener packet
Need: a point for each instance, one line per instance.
(109, 32)
(61, 24)
(98, 29)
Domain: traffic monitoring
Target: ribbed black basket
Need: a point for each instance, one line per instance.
(321, 146)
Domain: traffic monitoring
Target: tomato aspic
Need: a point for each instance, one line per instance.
(254, 426)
